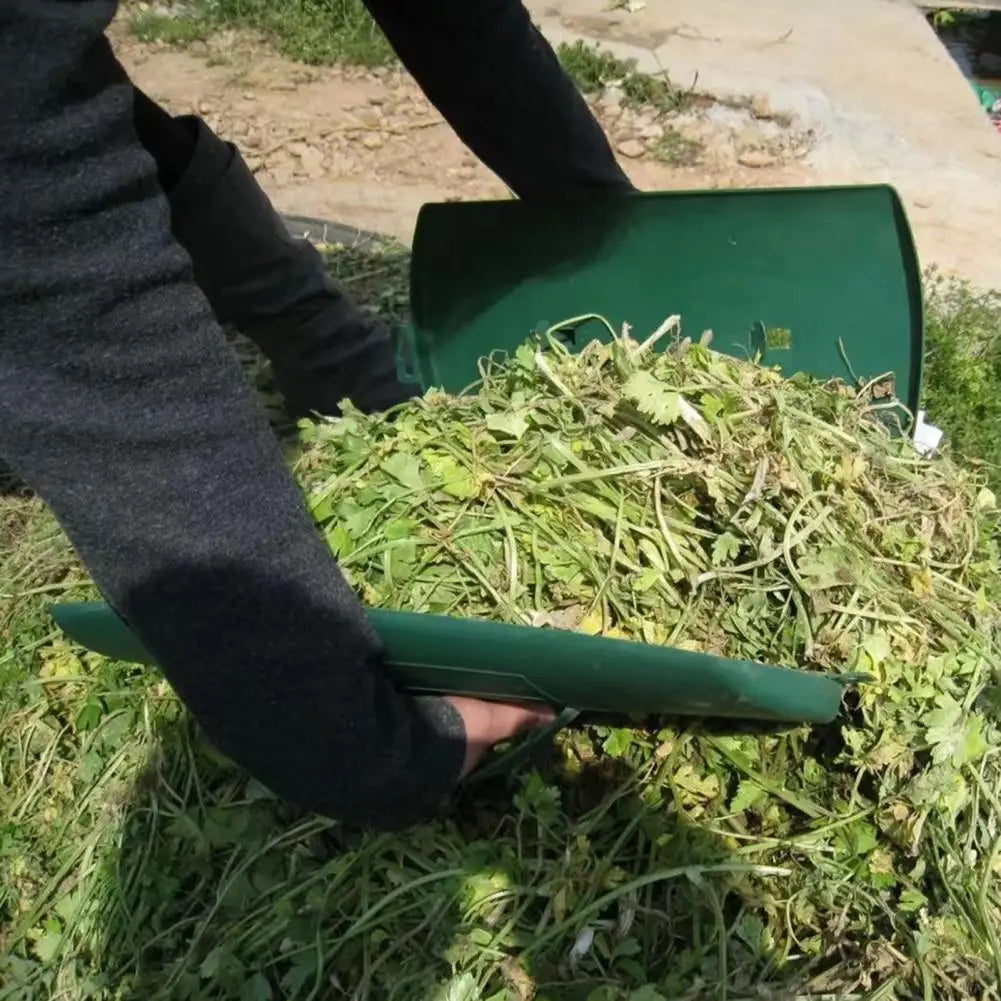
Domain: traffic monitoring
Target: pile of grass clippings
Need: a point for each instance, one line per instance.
(679, 497)
(675, 496)
(687, 498)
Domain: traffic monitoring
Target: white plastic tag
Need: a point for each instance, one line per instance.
(927, 437)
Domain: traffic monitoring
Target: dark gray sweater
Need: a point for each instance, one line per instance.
(122, 405)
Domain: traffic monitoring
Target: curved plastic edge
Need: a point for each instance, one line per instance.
(596, 674)
(915, 292)
(433, 654)
(408, 368)
(423, 359)
(96, 626)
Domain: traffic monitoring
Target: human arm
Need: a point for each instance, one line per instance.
(122, 405)
(499, 84)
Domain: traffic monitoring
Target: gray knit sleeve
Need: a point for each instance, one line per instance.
(122, 405)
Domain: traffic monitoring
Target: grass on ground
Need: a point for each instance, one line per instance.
(134, 863)
(594, 68)
(171, 28)
(310, 31)
(676, 149)
(963, 368)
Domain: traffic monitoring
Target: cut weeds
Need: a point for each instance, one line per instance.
(694, 861)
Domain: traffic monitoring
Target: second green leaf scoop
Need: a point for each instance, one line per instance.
(433, 654)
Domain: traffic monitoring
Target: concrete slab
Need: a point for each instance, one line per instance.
(869, 77)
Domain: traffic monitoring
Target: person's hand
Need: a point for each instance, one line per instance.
(488, 723)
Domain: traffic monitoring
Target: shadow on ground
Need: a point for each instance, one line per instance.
(579, 879)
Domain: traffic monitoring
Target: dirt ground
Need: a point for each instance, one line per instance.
(367, 149)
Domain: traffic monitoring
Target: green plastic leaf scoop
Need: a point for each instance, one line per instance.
(451, 656)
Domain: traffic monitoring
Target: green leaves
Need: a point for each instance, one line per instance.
(618, 742)
(256, 988)
(406, 469)
(955, 737)
(218, 962)
(653, 398)
(48, 943)
(826, 567)
(461, 987)
(748, 793)
(725, 549)
(646, 993)
(451, 477)
(510, 425)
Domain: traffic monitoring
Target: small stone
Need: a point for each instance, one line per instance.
(204, 108)
(652, 131)
(310, 158)
(466, 173)
(755, 158)
(249, 95)
(749, 137)
(281, 168)
(372, 142)
(761, 106)
(369, 117)
(612, 97)
(631, 148)
(314, 166)
(377, 99)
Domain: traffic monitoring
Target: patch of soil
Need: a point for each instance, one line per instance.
(367, 149)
